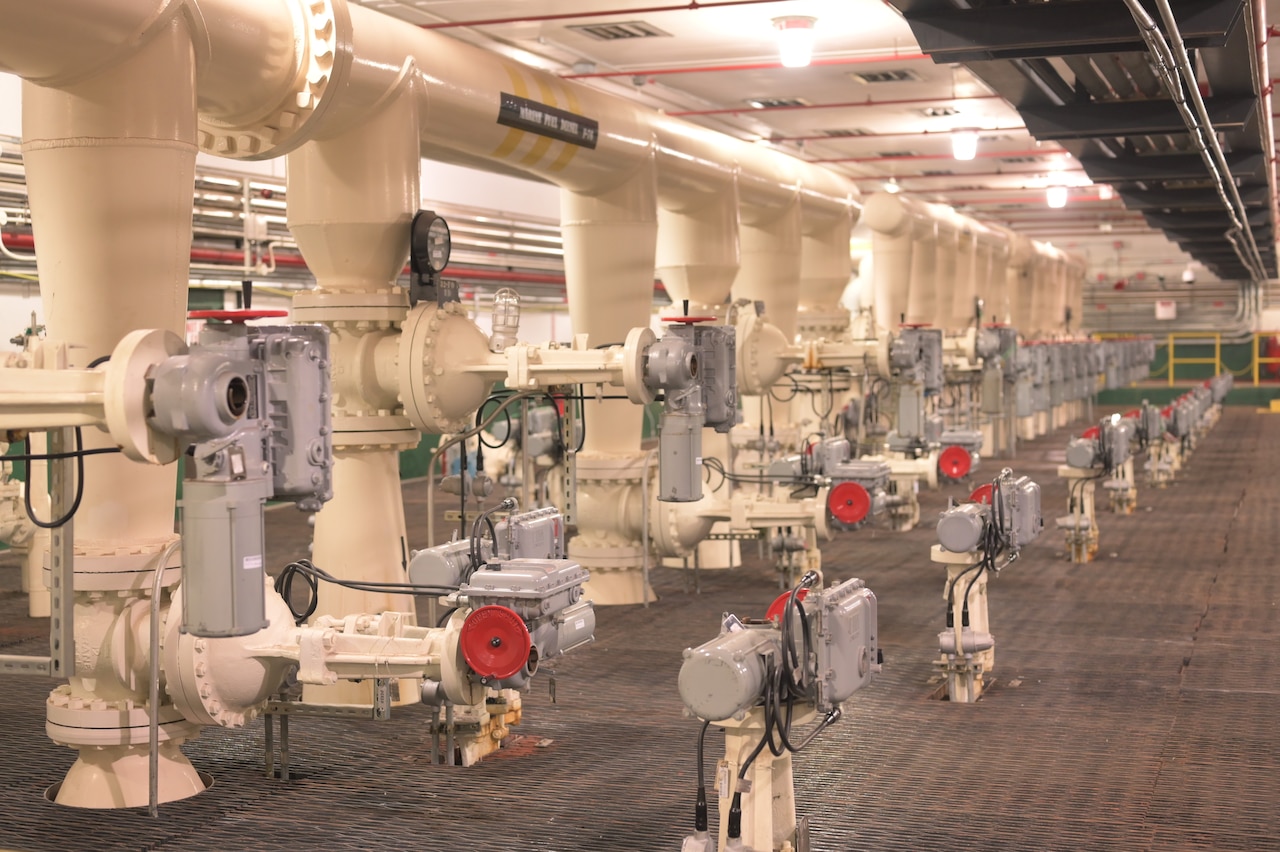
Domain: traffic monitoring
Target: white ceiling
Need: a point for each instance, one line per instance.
(1005, 183)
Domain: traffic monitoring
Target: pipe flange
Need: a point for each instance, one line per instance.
(223, 681)
(115, 569)
(73, 721)
(125, 395)
(634, 356)
(437, 344)
(388, 305)
(322, 31)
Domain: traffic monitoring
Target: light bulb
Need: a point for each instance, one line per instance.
(795, 40)
(891, 186)
(964, 144)
(1056, 196)
(1106, 192)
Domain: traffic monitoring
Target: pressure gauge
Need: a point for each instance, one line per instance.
(430, 243)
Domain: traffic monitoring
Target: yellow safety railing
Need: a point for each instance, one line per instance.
(1258, 358)
(1204, 337)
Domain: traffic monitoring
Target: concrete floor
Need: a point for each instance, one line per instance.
(1133, 708)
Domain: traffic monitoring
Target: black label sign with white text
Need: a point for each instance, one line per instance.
(524, 114)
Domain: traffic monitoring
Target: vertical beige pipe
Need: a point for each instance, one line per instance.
(770, 269)
(891, 247)
(351, 200)
(610, 243)
(922, 302)
(1019, 274)
(697, 250)
(110, 165)
(998, 280)
(953, 272)
(826, 266)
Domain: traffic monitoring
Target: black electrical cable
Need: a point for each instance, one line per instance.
(700, 806)
(79, 454)
(312, 575)
(101, 359)
(582, 418)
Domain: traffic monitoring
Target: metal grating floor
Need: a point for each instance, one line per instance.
(1133, 709)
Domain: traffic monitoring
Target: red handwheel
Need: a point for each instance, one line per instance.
(234, 316)
(849, 503)
(779, 605)
(954, 462)
(495, 642)
(982, 494)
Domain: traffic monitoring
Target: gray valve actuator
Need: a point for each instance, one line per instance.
(1014, 512)
(695, 367)
(254, 402)
(726, 677)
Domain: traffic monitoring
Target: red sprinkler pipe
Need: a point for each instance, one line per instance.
(746, 66)
(692, 6)
(842, 105)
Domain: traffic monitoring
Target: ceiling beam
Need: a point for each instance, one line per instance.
(1113, 119)
(1204, 219)
(1189, 199)
(1059, 29)
(1159, 167)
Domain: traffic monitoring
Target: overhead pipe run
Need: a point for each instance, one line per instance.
(1174, 69)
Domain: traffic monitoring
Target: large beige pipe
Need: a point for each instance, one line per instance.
(351, 200)
(110, 164)
(953, 272)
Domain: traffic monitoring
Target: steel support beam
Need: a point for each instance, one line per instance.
(1058, 29)
(1189, 199)
(1160, 167)
(1114, 119)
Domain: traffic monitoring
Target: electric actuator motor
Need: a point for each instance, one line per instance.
(727, 676)
(1014, 512)
(694, 365)
(277, 444)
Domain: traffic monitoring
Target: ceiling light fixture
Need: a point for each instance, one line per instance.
(1106, 192)
(795, 39)
(891, 186)
(964, 143)
(1056, 197)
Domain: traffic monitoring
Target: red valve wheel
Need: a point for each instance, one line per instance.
(495, 642)
(779, 605)
(1091, 433)
(849, 503)
(982, 494)
(234, 316)
(688, 320)
(955, 462)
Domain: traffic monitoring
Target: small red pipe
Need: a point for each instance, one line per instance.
(826, 137)
(207, 255)
(692, 6)
(746, 66)
(1039, 153)
(844, 105)
(877, 182)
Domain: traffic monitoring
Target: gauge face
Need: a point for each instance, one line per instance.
(430, 243)
(438, 245)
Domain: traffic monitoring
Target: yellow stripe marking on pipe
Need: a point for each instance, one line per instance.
(514, 137)
(543, 144)
(569, 150)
